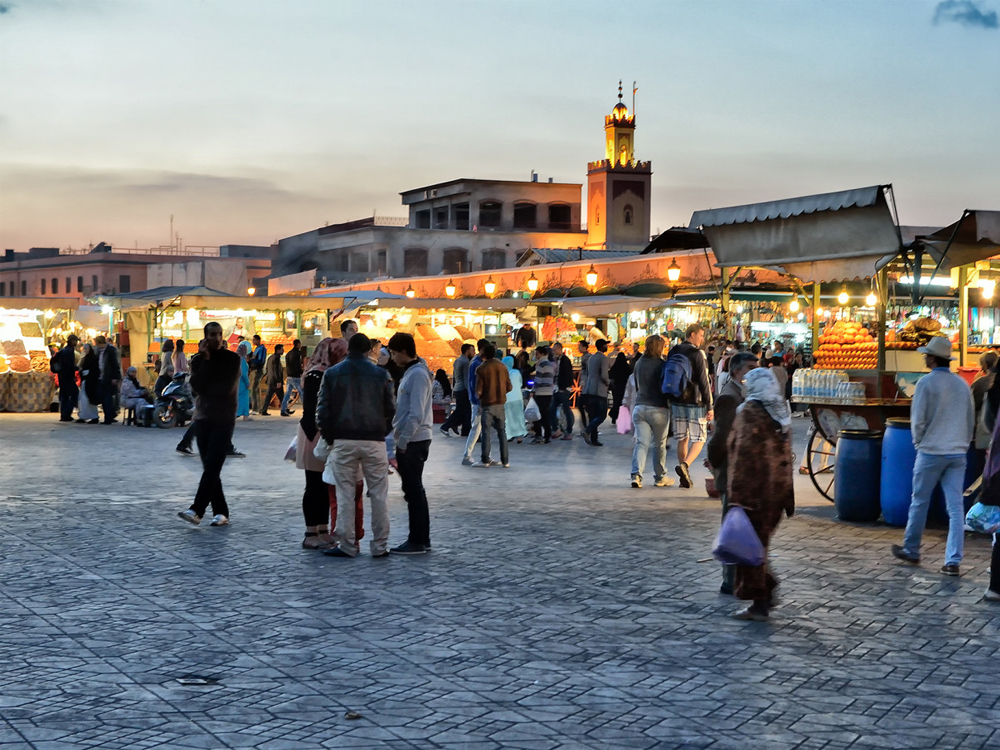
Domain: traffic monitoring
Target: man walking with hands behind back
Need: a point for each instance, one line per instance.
(412, 432)
(942, 422)
(354, 413)
(215, 381)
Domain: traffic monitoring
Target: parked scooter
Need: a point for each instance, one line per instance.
(175, 405)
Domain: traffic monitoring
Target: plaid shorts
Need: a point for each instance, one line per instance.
(689, 421)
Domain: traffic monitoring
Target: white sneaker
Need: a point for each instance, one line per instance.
(219, 520)
(190, 516)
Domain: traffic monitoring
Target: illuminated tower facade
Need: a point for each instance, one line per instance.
(618, 187)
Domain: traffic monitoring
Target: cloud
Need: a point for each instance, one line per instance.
(965, 12)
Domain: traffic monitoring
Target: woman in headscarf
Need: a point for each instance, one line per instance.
(517, 428)
(760, 480)
(166, 373)
(90, 377)
(619, 374)
(320, 499)
(243, 397)
(131, 395)
(441, 393)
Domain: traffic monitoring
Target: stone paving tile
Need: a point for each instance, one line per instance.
(559, 609)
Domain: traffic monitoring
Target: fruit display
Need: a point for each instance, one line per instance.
(846, 345)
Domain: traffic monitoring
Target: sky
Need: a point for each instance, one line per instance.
(252, 120)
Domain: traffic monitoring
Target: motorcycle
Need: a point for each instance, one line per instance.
(175, 405)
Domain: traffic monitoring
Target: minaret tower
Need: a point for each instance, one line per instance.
(618, 187)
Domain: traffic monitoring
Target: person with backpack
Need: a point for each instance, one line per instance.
(687, 385)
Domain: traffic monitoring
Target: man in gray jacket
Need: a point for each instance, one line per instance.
(941, 423)
(412, 432)
(596, 391)
(354, 413)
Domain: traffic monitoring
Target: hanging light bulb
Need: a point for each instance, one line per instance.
(842, 298)
(987, 287)
(591, 276)
(871, 299)
(532, 283)
(449, 288)
(251, 291)
(673, 272)
(490, 286)
(793, 305)
(409, 291)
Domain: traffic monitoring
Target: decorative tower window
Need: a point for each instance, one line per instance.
(628, 215)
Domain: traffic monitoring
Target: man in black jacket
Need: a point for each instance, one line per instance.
(691, 413)
(64, 365)
(354, 412)
(215, 381)
(563, 392)
(293, 376)
(110, 378)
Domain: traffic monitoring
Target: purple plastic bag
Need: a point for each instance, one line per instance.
(737, 542)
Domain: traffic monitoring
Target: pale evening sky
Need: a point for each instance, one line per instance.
(250, 120)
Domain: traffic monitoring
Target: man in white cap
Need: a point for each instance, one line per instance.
(942, 422)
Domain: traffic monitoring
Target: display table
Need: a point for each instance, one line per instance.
(26, 391)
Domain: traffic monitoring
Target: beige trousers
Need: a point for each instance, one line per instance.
(347, 459)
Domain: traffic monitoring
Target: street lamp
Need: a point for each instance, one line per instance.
(532, 283)
(410, 292)
(449, 288)
(591, 276)
(673, 272)
(490, 286)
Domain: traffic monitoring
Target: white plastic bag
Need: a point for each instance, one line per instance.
(531, 412)
(290, 453)
(322, 449)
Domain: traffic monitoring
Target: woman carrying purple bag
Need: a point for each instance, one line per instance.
(760, 480)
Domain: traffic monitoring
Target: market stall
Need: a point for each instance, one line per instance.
(30, 330)
(845, 238)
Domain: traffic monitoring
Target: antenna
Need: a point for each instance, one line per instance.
(634, 89)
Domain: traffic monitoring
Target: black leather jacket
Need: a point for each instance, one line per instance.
(356, 401)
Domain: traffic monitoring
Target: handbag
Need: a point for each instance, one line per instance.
(984, 518)
(624, 422)
(290, 453)
(737, 543)
(531, 412)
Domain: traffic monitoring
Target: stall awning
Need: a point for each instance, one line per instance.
(827, 237)
(39, 303)
(200, 297)
(610, 304)
(501, 304)
(974, 237)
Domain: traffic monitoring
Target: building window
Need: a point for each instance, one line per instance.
(494, 259)
(383, 267)
(342, 261)
(462, 216)
(415, 262)
(489, 214)
(454, 260)
(43, 286)
(55, 286)
(79, 284)
(441, 218)
(525, 216)
(24, 288)
(628, 215)
(124, 284)
(3, 288)
(359, 263)
(424, 219)
(93, 284)
(69, 285)
(559, 218)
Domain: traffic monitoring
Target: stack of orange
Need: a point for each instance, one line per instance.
(846, 345)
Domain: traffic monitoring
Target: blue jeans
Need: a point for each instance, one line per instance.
(652, 425)
(496, 417)
(560, 400)
(291, 383)
(927, 472)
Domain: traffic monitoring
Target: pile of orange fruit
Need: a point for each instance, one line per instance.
(846, 345)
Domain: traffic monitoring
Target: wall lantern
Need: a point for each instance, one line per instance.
(449, 288)
(591, 276)
(490, 286)
(673, 272)
(409, 291)
(532, 283)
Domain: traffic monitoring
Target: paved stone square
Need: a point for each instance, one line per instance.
(559, 609)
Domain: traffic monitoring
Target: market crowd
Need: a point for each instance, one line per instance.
(367, 411)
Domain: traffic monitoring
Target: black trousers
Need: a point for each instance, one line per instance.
(316, 500)
(214, 440)
(995, 568)
(69, 396)
(597, 409)
(276, 389)
(462, 415)
(543, 427)
(109, 400)
(411, 471)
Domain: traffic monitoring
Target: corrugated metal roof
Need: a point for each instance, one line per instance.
(784, 209)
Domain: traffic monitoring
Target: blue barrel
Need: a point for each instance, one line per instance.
(898, 457)
(857, 475)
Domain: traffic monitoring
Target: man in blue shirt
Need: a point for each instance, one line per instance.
(475, 425)
(256, 363)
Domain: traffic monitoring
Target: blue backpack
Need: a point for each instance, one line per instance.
(676, 375)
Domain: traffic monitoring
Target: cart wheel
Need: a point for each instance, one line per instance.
(820, 459)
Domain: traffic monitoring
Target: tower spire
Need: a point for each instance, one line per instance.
(619, 89)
